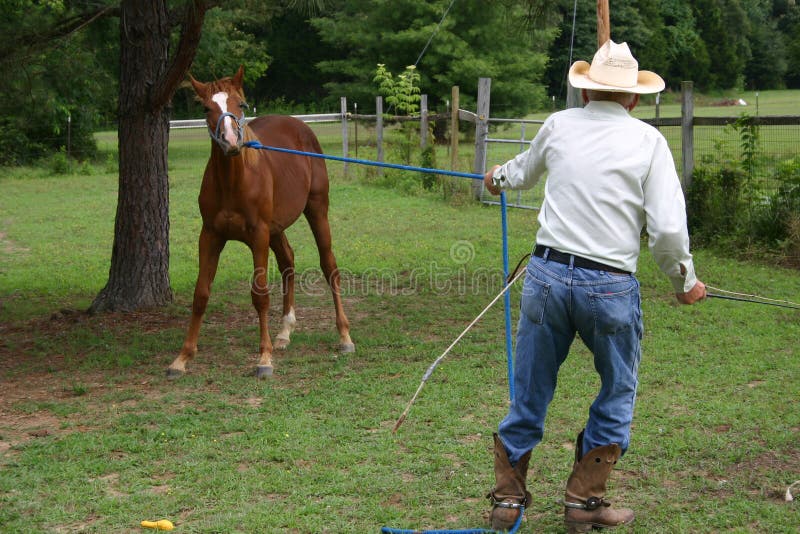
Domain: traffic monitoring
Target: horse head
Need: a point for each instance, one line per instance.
(225, 105)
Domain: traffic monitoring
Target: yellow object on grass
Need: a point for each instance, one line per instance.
(161, 524)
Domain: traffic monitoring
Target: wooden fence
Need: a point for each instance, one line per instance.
(681, 132)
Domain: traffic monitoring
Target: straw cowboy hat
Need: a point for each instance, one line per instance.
(614, 69)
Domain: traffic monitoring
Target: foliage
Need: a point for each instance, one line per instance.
(718, 44)
(231, 37)
(748, 135)
(475, 39)
(716, 209)
(55, 92)
(777, 222)
(402, 94)
(726, 208)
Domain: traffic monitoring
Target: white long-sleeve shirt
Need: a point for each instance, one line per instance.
(608, 176)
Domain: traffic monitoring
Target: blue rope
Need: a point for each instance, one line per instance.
(514, 528)
(507, 297)
(474, 176)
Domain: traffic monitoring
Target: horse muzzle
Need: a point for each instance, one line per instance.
(226, 139)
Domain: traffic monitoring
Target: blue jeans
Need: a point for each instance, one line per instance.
(559, 301)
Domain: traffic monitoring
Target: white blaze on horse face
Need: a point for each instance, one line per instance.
(221, 99)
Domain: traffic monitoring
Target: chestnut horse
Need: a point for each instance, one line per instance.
(253, 196)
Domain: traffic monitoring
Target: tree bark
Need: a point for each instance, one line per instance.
(139, 273)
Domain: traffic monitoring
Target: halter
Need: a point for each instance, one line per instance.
(239, 120)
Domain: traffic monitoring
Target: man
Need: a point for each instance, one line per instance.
(608, 176)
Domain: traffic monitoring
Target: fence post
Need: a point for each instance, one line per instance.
(379, 130)
(687, 132)
(454, 128)
(573, 97)
(481, 133)
(423, 121)
(345, 152)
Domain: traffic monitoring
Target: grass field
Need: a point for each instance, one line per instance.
(94, 439)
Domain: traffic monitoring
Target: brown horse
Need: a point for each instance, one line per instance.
(252, 196)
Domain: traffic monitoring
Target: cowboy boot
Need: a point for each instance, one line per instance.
(585, 506)
(509, 495)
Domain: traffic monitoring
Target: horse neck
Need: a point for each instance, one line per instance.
(231, 167)
(231, 170)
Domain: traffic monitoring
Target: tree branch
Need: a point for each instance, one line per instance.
(191, 30)
(38, 40)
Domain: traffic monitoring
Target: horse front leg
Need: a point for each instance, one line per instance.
(259, 292)
(210, 247)
(285, 258)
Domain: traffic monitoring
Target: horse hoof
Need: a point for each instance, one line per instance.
(346, 348)
(174, 374)
(281, 344)
(263, 371)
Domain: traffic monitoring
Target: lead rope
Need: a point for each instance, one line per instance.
(513, 277)
(746, 297)
(514, 528)
(438, 360)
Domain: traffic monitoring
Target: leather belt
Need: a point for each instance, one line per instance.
(577, 261)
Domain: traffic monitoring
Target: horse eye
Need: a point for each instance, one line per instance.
(206, 109)
(244, 105)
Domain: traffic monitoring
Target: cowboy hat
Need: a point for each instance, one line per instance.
(614, 69)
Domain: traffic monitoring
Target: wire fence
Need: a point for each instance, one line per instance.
(721, 145)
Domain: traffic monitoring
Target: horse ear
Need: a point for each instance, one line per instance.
(199, 87)
(239, 77)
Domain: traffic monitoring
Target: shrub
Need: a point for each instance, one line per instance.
(715, 207)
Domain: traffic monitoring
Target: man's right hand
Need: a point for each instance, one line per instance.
(487, 181)
(696, 294)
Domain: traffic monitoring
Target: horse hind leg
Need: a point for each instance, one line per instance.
(318, 221)
(285, 258)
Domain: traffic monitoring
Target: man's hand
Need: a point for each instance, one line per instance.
(487, 181)
(696, 294)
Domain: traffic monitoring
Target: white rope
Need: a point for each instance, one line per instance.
(748, 295)
(788, 497)
(434, 32)
(436, 362)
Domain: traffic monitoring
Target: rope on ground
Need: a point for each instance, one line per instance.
(515, 528)
(788, 497)
(438, 360)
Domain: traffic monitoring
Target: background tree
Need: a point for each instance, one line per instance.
(767, 64)
(45, 58)
(476, 39)
(723, 26)
(789, 24)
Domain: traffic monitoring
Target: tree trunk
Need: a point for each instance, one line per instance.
(139, 273)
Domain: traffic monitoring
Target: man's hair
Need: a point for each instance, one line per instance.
(623, 99)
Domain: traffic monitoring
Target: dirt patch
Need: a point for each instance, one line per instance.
(9, 247)
(47, 389)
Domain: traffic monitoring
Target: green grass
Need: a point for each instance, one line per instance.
(94, 439)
